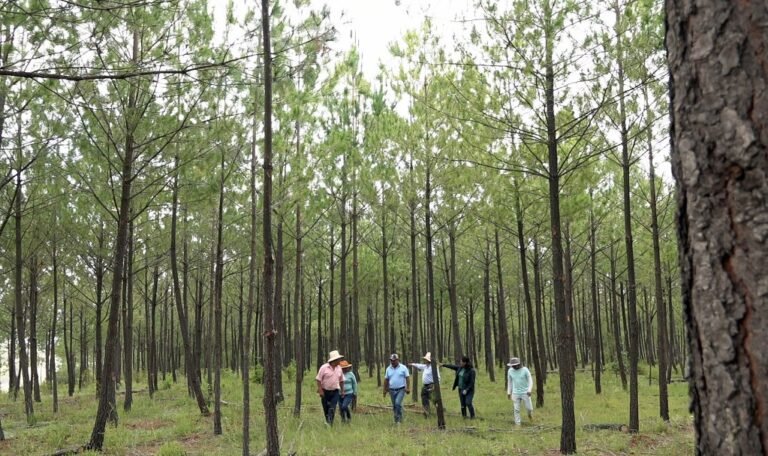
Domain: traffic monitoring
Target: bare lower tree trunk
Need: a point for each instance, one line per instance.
(503, 334)
(128, 324)
(720, 157)
(661, 307)
(22, 340)
(54, 319)
(190, 362)
(538, 365)
(217, 308)
(596, 355)
(431, 299)
(487, 336)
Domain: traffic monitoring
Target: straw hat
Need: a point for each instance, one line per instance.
(345, 364)
(334, 356)
(428, 357)
(513, 362)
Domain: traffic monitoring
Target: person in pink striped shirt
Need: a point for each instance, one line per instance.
(330, 385)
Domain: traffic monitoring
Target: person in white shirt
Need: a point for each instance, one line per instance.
(427, 382)
(519, 386)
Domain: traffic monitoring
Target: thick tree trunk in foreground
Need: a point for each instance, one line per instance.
(716, 51)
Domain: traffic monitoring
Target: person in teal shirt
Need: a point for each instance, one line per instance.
(519, 386)
(350, 391)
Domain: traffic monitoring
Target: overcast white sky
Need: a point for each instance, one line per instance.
(377, 23)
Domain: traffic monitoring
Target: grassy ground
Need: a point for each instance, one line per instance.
(170, 423)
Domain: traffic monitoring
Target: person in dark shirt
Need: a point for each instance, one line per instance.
(465, 382)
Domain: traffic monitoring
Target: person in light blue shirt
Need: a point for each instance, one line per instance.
(427, 383)
(396, 384)
(519, 386)
(350, 391)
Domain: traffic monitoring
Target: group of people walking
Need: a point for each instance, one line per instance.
(337, 385)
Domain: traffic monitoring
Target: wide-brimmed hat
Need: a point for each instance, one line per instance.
(334, 356)
(345, 364)
(513, 362)
(393, 357)
(428, 357)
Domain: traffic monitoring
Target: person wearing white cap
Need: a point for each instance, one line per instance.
(519, 386)
(396, 384)
(330, 385)
(427, 383)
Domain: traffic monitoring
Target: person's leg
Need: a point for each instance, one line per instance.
(516, 401)
(399, 396)
(324, 403)
(393, 398)
(528, 406)
(470, 405)
(333, 402)
(346, 402)
(425, 393)
(463, 402)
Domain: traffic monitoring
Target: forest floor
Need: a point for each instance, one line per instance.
(170, 424)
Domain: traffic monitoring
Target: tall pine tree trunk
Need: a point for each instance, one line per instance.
(107, 382)
(190, 362)
(270, 333)
(565, 336)
(663, 343)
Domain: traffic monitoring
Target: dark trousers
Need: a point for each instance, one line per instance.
(330, 400)
(466, 403)
(426, 397)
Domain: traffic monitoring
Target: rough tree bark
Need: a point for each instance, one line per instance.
(719, 106)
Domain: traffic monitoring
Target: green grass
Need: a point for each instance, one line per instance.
(170, 424)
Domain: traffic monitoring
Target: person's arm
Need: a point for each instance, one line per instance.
(418, 366)
(386, 386)
(407, 383)
(530, 380)
(341, 384)
(510, 383)
(319, 389)
(354, 385)
(451, 366)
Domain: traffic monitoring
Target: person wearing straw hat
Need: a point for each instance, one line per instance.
(350, 391)
(330, 385)
(427, 382)
(519, 386)
(396, 384)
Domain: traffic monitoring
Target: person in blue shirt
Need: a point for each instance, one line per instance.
(465, 381)
(427, 383)
(396, 384)
(519, 386)
(350, 391)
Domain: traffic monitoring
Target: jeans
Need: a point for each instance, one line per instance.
(525, 399)
(426, 397)
(346, 401)
(397, 396)
(329, 401)
(466, 403)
